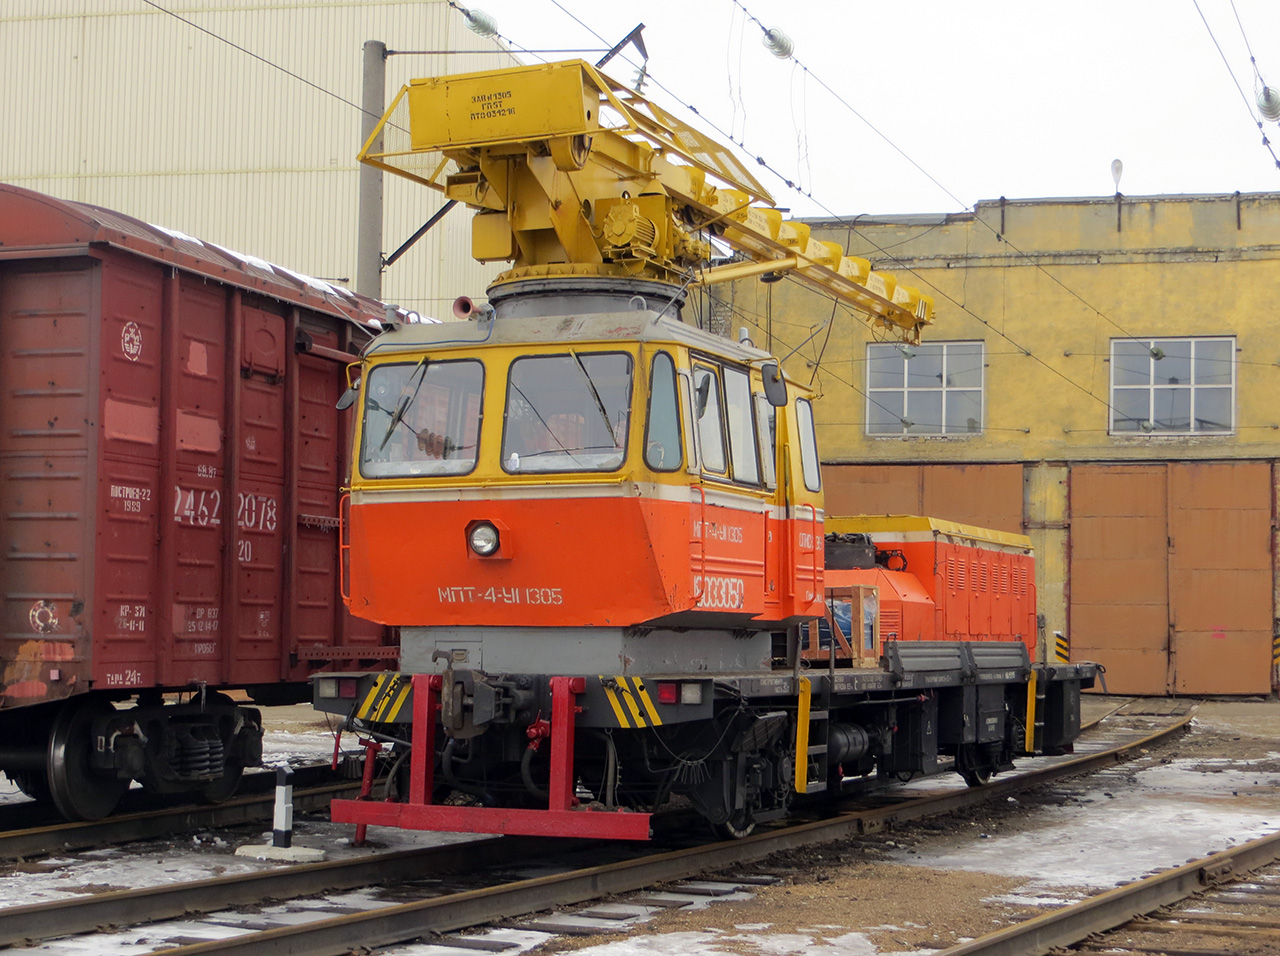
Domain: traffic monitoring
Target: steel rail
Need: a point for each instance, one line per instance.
(149, 824)
(82, 914)
(394, 924)
(1114, 908)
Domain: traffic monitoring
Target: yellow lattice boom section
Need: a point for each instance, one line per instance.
(571, 173)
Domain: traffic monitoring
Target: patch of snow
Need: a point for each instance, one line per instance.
(175, 234)
(1173, 814)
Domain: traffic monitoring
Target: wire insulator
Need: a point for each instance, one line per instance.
(778, 43)
(1269, 104)
(481, 23)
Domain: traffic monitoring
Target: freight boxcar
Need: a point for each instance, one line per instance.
(170, 462)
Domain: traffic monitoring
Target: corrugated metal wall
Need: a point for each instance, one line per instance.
(115, 103)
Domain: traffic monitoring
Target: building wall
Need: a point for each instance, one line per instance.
(115, 103)
(1047, 285)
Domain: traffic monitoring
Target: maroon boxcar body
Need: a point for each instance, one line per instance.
(170, 463)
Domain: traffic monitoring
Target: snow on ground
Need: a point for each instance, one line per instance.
(1157, 816)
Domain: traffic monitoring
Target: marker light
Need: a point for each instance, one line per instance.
(336, 687)
(484, 539)
(668, 692)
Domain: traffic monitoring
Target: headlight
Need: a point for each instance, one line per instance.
(484, 539)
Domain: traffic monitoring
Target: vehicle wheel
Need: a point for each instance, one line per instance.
(973, 768)
(34, 783)
(224, 787)
(78, 792)
(736, 827)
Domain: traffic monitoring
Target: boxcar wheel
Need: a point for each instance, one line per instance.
(34, 783)
(222, 788)
(78, 792)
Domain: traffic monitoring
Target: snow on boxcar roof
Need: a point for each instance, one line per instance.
(32, 221)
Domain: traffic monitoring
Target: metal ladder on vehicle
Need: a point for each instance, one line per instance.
(813, 729)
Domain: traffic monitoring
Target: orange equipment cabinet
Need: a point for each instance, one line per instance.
(943, 581)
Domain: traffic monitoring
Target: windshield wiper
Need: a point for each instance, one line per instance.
(596, 395)
(403, 401)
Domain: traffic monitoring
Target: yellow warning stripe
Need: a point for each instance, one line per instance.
(627, 695)
(643, 694)
(406, 690)
(1275, 649)
(372, 697)
(385, 699)
(1062, 648)
(612, 695)
(397, 690)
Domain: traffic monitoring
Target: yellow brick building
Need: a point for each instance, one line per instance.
(1104, 375)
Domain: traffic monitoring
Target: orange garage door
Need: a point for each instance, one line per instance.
(989, 496)
(1171, 580)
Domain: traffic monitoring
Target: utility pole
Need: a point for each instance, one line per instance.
(369, 216)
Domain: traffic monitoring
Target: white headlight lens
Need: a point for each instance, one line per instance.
(484, 539)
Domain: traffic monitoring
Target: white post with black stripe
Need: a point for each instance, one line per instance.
(281, 846)
(282, 823)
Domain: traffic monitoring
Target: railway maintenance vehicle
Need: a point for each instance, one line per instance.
(600, 529)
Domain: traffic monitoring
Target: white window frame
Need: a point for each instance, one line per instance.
(906, 426)
(1158, 349)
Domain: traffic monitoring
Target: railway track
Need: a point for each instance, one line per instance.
(1225, 903)
(21, 838)
(439, 910)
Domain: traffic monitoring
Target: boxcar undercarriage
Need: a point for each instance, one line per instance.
(81, 754)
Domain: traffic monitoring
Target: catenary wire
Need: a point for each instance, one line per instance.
(760, 160)
(790, 184)
(1225, 62)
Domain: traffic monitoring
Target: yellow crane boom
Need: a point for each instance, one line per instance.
(573, 174)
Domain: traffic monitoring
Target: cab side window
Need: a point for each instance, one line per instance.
(742, 438)
(726, 423)
(808, 446)
(710, 422)
(662, 451)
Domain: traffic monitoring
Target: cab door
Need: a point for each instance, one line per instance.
(728, 497)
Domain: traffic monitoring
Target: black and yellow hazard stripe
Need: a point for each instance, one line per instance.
(386, 698)
(630, 701)
(1275, 651)
(1061, 647)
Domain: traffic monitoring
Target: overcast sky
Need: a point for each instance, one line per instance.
(989, 98)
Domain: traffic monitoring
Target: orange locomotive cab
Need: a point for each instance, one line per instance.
(495, 480)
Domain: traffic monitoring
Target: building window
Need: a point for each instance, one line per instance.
(927, 389)
(1173, 386)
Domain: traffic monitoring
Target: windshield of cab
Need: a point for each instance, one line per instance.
(421, 418)
(567, 412)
